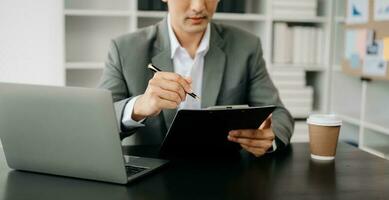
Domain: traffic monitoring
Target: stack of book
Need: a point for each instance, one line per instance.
(297, 44)
(296, 96)
(230, 6)
(295, 8)
(300, 133)
(155, 5)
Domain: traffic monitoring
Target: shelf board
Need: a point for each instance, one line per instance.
(218, 16)
(377, 128)
(151, 14)
(306, 67)
(300, 19)
(84, 65)
(98, 13)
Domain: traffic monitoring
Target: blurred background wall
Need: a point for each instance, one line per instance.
(31, 40)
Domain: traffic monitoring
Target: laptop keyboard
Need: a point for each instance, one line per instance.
(131, 170)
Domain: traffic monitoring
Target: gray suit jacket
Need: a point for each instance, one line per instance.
(234, 74)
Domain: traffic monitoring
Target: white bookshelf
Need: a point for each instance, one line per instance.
(91, 24)
(362, 105)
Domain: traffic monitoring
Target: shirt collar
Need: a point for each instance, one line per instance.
(175, 44)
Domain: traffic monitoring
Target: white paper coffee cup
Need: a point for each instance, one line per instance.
(323, 135)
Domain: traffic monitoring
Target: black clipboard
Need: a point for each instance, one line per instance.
(203, 133)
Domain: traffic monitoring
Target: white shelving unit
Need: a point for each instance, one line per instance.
(91, 24)
(361, 104)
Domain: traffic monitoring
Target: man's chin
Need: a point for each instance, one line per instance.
(198, 28)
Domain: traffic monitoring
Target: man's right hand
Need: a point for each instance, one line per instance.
(166, 90)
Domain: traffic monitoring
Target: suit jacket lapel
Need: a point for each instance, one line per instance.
(162, 60)
(214, 65)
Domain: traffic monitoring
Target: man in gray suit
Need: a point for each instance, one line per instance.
(222, 64)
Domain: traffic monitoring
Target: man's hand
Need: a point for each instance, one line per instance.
(166, 90)
(255, 141)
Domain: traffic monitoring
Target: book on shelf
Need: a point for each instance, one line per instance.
(298, 4)
(232, 6)
(299, 112)
(320, 46)
(287, 13)
(225, 6)
(308, 102)
(288, 77)
(291, 85)
(281, 43)
(299, 109)
(298, 99)
(155, 5)
(240, 6)
(301, 93)
(144, 5)
(158, 5)
(300, 133)
(229, 6)
(295, 8)
(297, 44)
(288, 85)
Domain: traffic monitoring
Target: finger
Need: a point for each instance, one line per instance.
(266, 124)
(256, 151)
(245, 133)
(166, 104)
(251, 134)
(162, 100)
(173, 87)
(170, 96)
(251, 142)
(176, 78)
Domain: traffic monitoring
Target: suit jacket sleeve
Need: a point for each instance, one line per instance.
(113, 80)
(263, 92)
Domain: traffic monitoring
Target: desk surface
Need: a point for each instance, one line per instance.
(286, 175)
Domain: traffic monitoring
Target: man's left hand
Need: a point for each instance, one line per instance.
(255, 141)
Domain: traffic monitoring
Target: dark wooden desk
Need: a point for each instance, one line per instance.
(287, 175)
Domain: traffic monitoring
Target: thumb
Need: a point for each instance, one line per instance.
(266, 124)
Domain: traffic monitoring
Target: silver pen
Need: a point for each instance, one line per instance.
(156, 69)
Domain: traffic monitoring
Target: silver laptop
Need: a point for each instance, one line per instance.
(66, 131)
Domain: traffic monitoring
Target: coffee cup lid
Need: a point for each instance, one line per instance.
(324, 120)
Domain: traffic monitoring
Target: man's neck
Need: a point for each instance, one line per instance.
(190, 41)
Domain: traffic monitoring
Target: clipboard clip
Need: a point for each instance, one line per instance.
(227, 107)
